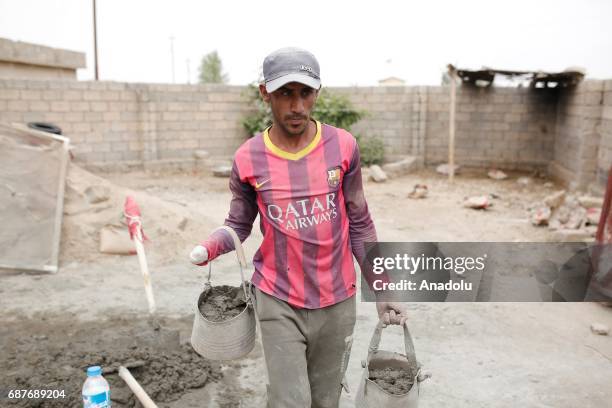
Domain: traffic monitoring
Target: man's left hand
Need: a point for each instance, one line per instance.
(391, 313)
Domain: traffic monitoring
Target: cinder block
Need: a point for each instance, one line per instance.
(9, 94)
(38, 105)
(111, 116)
(30, 95)
(17, 106)
(110, 96)
(99, 106)
(92, 95)
(79, 106)
(73, 116)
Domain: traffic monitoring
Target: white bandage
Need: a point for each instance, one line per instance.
(198, 255)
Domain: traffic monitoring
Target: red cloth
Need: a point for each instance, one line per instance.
(132, 216)
(604, 228)
(604, 239)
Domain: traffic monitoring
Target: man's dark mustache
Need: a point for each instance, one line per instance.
(295, 117)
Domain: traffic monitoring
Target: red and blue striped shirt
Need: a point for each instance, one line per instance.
(313, 216)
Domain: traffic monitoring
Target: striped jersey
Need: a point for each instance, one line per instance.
(313, 216)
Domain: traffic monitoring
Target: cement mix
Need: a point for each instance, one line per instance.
(55, 355)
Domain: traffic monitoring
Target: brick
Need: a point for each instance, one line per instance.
(111, 116)
(99, 106)
(17, 106)
(92, 96)
(82, 127)
(74, 117)
(79, 106)
(30, 95)
(39, 106)
(51, 95)
(93, 117)
(72, 95)
(111, 96)
(9, 94)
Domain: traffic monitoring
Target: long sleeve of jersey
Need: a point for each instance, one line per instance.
(242, 213)
(361, 227)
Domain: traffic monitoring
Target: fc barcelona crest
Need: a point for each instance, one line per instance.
(333, 176)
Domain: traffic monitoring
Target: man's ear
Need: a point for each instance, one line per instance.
(264, 93)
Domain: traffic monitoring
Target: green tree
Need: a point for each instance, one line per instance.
(211, 69)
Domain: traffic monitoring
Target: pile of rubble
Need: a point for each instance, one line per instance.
(571, 217)
(397, 168)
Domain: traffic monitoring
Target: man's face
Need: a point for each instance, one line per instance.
(291, 106)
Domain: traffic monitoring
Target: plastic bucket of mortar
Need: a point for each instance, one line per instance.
(228, 339)
(370, 394)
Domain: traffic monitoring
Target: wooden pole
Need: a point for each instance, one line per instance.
(95, 33)
(140, 393)
(451, 125)
(144, 268)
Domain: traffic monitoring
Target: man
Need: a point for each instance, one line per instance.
(304, 179)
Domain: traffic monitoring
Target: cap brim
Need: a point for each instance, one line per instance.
(285, 79)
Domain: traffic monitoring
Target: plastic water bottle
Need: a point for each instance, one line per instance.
(96, 392)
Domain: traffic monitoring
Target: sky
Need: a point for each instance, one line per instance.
(356, 42)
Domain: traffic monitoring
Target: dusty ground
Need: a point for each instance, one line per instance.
(480, 354)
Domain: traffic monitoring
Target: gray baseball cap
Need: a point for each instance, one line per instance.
(291, 65)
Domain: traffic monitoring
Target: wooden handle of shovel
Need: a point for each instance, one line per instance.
(140, 393)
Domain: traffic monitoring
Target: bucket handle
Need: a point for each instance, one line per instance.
(239, 254)
(375, 341)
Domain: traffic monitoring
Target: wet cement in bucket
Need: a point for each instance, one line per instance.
(222, 303)
(397, 381)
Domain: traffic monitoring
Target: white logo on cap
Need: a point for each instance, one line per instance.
(305, 68)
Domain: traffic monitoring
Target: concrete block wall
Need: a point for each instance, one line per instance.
(389, 115)
(578, 135)
(604, 159)
(507, 128)
(117, 122)
(568, 131)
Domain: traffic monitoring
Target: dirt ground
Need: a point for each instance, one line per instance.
(479, 354)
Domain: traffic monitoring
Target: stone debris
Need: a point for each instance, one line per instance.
(477, 202)
(497, 174)
(445, 168)
(523, 181)
(182, 224)
(97, 194)
(201, 154)
(555, 199)
(591, 229)
(577, 218)
(593, 215)
(573, 219)
(540, 215)
(590, 201)
(568, 235)
(222, 171)
(377, 174)
(419, 191)
(401, 167)
(600, 328)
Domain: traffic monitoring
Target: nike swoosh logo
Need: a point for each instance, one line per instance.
(258, 185)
